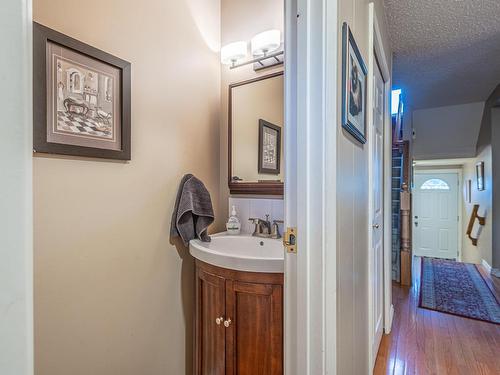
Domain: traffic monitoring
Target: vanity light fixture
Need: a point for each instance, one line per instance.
(266, 42)
(231, 53)
(265, 48)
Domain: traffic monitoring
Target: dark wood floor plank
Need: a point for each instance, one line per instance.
(425, 342)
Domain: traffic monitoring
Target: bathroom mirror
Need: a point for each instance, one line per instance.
(255, 126)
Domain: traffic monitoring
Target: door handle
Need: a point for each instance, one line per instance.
(416, 223)
(227, 323)
(219, 320)
(376, 226)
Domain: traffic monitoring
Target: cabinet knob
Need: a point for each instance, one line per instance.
(227, 323)
(219, 320)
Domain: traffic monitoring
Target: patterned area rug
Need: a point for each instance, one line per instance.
(458, 289)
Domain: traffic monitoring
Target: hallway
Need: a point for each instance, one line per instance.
(426, 342)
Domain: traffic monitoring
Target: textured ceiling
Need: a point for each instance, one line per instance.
(445, 51)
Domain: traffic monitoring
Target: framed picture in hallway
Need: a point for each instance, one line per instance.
(480, 175)
(354, 75)
(81, 98)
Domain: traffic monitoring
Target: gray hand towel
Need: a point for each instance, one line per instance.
(193, 211)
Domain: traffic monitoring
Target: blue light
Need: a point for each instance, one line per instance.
(395, 101)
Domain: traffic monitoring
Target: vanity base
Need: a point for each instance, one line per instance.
(238, 322)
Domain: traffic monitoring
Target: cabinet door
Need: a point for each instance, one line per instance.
(254, 338)
(209, 333)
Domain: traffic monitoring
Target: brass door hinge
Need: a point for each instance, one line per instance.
(290, 240)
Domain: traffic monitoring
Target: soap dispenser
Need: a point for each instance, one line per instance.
(233, 225)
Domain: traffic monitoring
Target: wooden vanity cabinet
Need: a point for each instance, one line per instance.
(238, 322)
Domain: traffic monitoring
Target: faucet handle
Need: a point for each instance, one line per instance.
(275, 230)
(267, 217)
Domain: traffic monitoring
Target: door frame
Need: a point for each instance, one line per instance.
(460, 202)
(377, 53)
(311, 70)
(16, 192)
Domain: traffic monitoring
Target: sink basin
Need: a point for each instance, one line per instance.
(241, 253)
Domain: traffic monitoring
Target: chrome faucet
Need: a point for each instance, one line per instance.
(275, 229)
(262, 227)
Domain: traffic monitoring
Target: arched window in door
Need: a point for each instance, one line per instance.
(435, 184)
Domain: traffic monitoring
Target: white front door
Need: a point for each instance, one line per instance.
(435, 210)
(377, 219)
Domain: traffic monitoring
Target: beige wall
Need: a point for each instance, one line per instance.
(241, 20)
(257, 100)
(112, 296)
(483, 250)
(352, 204)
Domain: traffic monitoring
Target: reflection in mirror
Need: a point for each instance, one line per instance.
(256, 120)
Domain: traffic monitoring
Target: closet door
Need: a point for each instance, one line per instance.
(209, 324)
(254, 328)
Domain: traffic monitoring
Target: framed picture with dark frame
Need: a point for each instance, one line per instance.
(81, 98)
(480, 175)
(269, 148)
(468, 191)
(354, 76)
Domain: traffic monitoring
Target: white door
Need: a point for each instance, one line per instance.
(377, 219)
(435, 210)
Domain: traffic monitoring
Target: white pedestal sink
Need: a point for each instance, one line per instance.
(241, 252)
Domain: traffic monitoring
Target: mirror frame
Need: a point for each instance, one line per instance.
(254, 187)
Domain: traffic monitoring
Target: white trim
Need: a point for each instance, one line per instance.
(391, 315)
(486, 266)
(310, 295)
(459, 173)
(16, 191)
(377, 50)
(293, 347)
(332, 30)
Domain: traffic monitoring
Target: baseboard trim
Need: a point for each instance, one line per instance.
(391, 317)
(486, 266)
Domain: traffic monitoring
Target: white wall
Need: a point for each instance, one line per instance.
(483, 250)
(352, 206)
(447, 132)
(16, 247)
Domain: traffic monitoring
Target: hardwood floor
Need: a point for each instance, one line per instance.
(425, 342)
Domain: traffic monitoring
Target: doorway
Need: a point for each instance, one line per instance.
(380, 307)
(436, 219)
(377, 209)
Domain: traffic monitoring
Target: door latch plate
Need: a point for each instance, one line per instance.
(290, 240)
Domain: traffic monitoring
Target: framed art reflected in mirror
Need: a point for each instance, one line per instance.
(269, 148)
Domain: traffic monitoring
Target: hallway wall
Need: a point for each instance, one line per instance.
(447, 132)
(112, 295)
(352, 203)
(483, 250)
